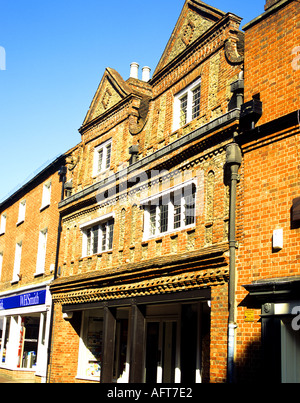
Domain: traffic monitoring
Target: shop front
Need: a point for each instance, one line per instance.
(278, 299)
(162, 339)
(24, 332)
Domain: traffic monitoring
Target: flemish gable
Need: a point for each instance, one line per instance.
(112, 89)
(196, 18)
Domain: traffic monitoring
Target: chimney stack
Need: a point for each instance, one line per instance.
(270, 3)
(134, 70)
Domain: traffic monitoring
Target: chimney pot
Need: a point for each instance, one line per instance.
(134, 70)
(146, 74)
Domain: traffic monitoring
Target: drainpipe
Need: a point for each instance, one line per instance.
(233, 163)
(62, 178)
(62, 175)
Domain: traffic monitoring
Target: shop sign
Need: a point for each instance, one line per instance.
(23, 300)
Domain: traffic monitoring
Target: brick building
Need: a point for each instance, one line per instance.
(178, 254)
(142, 288)
(28, 244)
(268, 255)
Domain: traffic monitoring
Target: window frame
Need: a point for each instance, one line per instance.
(163, 205)
(3, 223)
(188, 94)
(17, 262)
(41, 253)
(101, 226)
(46, 195)
(105, 163)
(22, 212)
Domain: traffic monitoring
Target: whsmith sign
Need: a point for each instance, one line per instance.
(23, 300)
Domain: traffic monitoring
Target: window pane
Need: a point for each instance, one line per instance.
(108, 156)
(196, 102)
(110, 233)
(104, 234)
(152, 220)
(189, 205)
(183, 110)
(164, 218)
(100, 159)
(177, 208)
(95, 237)
(177, 216)
(89, 241)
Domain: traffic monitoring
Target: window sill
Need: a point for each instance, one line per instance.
(39, 274)
(20, 222)
(99, 254)
(44, 207)
(171, 233)
(97, 174)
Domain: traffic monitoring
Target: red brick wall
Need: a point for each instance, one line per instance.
(270, 174)
(271, 64)
(65, 347)
(218, 335)
(28, 232)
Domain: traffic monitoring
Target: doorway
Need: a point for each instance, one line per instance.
(290, 353)
(161, 351)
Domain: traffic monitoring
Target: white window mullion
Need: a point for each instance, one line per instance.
(171, 215)
(157, 222)
(99, 248)
(146, 222)
(182, 218)
(189, 107)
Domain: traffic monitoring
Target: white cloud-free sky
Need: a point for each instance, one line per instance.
(55, 55)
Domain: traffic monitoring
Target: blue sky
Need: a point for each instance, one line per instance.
(56, 53)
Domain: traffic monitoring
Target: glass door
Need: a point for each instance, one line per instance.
(161, 351)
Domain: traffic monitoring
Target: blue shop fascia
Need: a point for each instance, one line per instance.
(25, 317)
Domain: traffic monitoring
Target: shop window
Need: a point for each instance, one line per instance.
(102, 158)
(170, 211)
(22, 338)
(5, 324)
(187, 105)
(90, 349)
(97, 236)
(29, 334)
